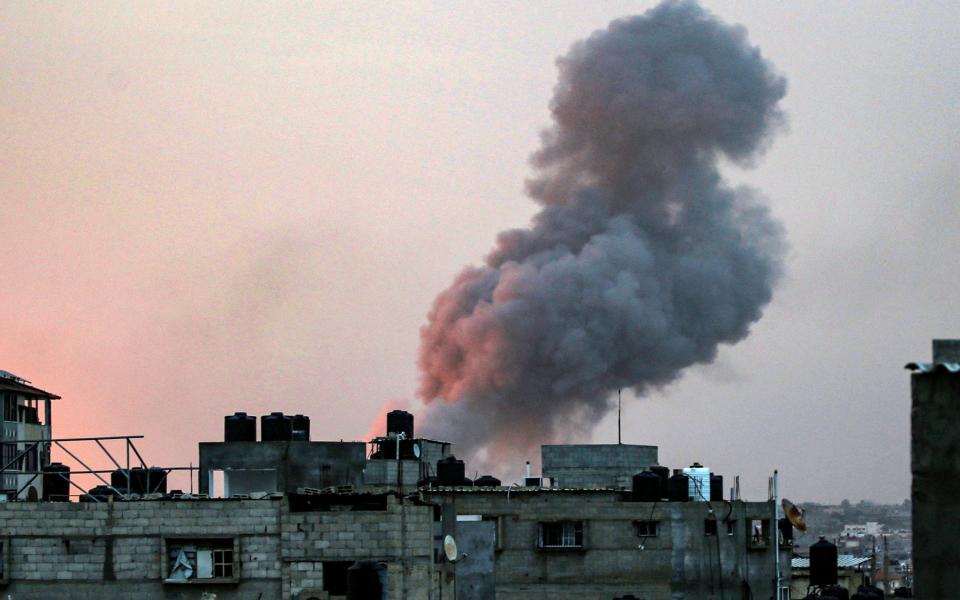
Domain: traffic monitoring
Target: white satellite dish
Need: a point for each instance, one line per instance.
(450, 548)
(416, 450)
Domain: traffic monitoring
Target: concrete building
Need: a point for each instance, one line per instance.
(596, 542)
(233, 549)
(935, 463)
(22, 427)
(297, 519)
(595, 465)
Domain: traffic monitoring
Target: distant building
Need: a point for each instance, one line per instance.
(27, 419)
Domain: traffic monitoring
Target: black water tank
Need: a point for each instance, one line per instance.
(486, 481)
(118, 479)
(301, 428)
(366, 580)
(156, 480)
(868, 592)
(101, 493)
(834, 592)
(678, 487)
(716, 488)
(400, 421)
(240, 427)
(664, 474)
(646, 487)
(450, 471)
(56, 482)
(823, 563)
(276, 427)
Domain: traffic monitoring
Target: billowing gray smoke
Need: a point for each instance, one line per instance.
(641, 261)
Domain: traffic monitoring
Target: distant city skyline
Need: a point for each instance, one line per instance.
(231, 207)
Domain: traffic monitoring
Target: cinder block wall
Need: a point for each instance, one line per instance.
(680, 562)
(936, 484)
(96, 551)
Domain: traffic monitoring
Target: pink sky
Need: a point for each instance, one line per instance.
(227, 207)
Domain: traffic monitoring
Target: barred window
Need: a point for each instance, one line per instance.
(561, 534)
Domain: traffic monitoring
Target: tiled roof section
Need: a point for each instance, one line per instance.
(843, 561)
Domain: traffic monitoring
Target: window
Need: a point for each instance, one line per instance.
(647, 528)
(200, 560)
(561, 534)
(223, 563)
(731, 524)
(9, 407)
(759, 533)
(9, 453)
(335, 577)
(710, 527)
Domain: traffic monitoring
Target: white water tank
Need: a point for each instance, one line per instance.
(698, 478)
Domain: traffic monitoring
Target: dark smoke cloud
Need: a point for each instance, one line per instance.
(641, 261)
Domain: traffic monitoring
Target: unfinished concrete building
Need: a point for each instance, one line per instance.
(596, 540)
(935, 463)
(23, 427)
(298, 519)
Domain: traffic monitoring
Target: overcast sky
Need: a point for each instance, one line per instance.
(251, 207)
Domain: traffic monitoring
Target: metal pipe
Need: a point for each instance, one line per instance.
(86, 466)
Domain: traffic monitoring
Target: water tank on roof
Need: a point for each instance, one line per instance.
(486, 481)
(301, 428)
(450, 471)
(646, 487)
(118, 479)
(834, 592)
(699, 482)
(400, 421)
(366, 580)
(716, 488)
(276, 427)
(240, 427)
(678, 487)
(823, 563)
(56, 482)
(156, 480)
(138, 480)
(664, 474)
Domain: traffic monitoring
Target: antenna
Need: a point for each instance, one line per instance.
(619, 410)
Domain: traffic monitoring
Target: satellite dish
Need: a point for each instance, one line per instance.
(794, 514)
(416, 450)
(450, 548)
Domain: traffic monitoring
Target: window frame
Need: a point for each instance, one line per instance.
(214, 543)
(571, 535)
(638, 525)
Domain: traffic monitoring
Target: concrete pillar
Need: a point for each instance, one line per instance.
(935, 464)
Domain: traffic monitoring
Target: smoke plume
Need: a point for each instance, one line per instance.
(640, 262)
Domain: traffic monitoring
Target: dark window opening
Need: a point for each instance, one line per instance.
(335, 577)
(9, 453)
(561, 534)
(730, 527)
(9, 407)
(710, 527)
(647, 528)
(759, 533)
